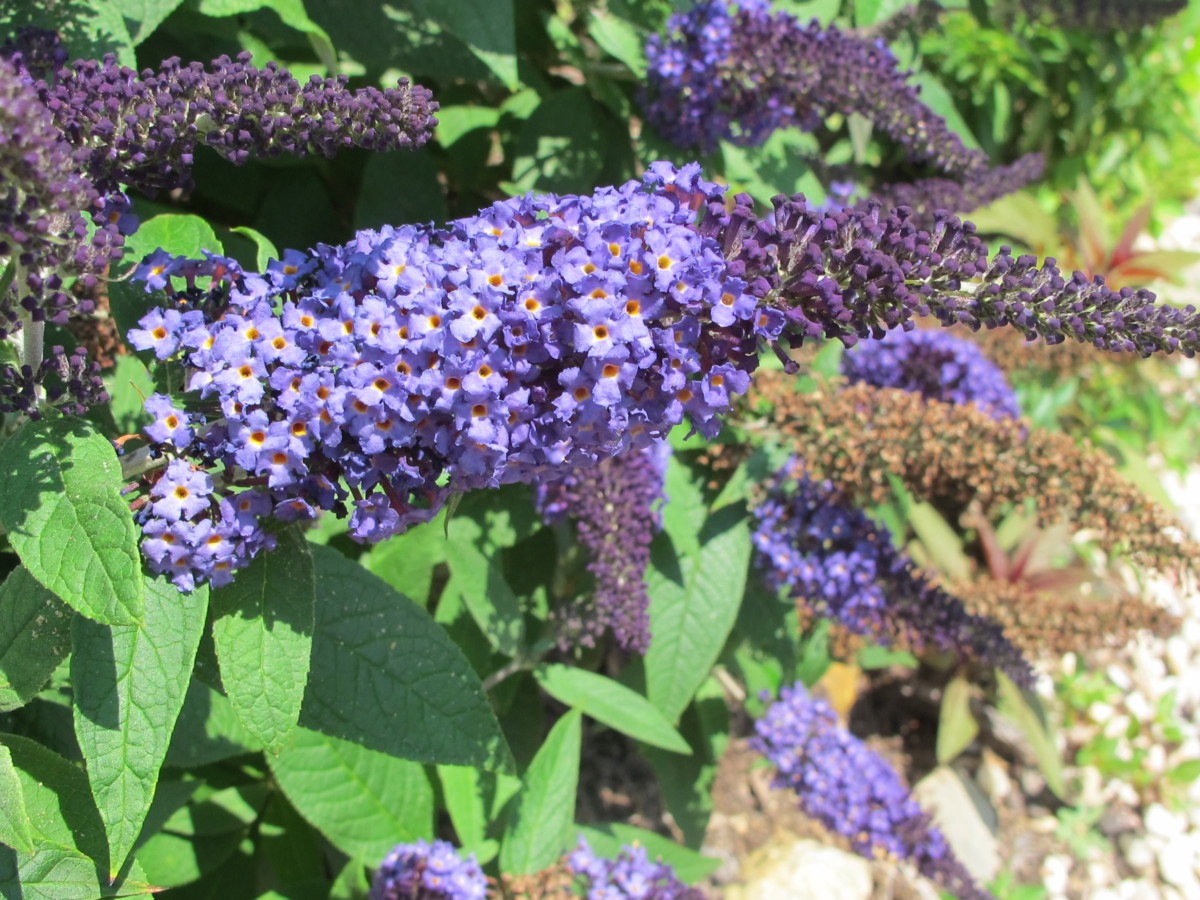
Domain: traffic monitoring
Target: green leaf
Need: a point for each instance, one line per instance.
(543, 818)
(407, 561)
(35, 635)
(291, 12)
(70, 859)
(480, 582)
(385, 675)
(264, 247)
(940, 540)
(130, 682)
(456, 121)
(696, 579)
(88, 30)
(129, 384)
(619, 38)
(607, 840)
(469, 796)
(362, 800)
(877, 656)
(1025, 711)
(559, 147)
(61, 505)
(400, 187)
(263, 631)
(15, 828)
(146, 14)
(957, 726)
(489, 29)
(612, 704)
(208, 730)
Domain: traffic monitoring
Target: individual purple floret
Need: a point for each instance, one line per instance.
(43, 232)
(428, 871)
(852, 791)
(935, 364)
(540, 337)
(616, 507)
(141, 130)
(631, 876)
(836, 561)
(739, 72)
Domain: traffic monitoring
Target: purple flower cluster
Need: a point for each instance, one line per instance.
(616, 507)
(43, 232)
(542, 335)
(428, 871)
(935, 364)
(142, 130)
(852, 791)
(856, 273)
(840, 564)
(631, 876)
(739, 72)
(65, 381)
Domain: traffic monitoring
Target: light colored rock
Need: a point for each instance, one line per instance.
(1138, 889)
(1119, 676)
(1161, 822)
(790, 868)
(1139, 707)
(1056, 873)
(1176, 865)
(1138, 853)
(964, 815)
(993, 778)
(1178, 655)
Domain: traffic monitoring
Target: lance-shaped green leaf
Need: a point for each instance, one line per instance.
(470, 795)
(489, 29)
(957, 726)
(69, 860)
(696, 579)
(612, 704)
(1025, 710)
(61, 506)
(130, 682)
(543, 821)
(386, 676)
(364, 801)
(263, 628)
(35, 634)
(15, 828)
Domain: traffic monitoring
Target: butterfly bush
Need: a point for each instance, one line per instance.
(381, 376)
(428, 871)
(740, 72)
(832, 558)
(935, 364)
(616, 507)
(852, 791)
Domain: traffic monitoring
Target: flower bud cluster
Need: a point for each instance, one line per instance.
(428, 871)
(43, 231)
(833, 559)
(855, 273)
(953, 456)
(142, 130)
(631, 876)
(852, 791)
(616, 507)
(542, 335)
(935, 364)
(65, 381)
(739, 72)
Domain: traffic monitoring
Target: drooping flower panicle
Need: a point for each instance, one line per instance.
(142, 130)
(834, 560)
(616, 507)
(852, 791)
(935, 364)
(542, 335)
